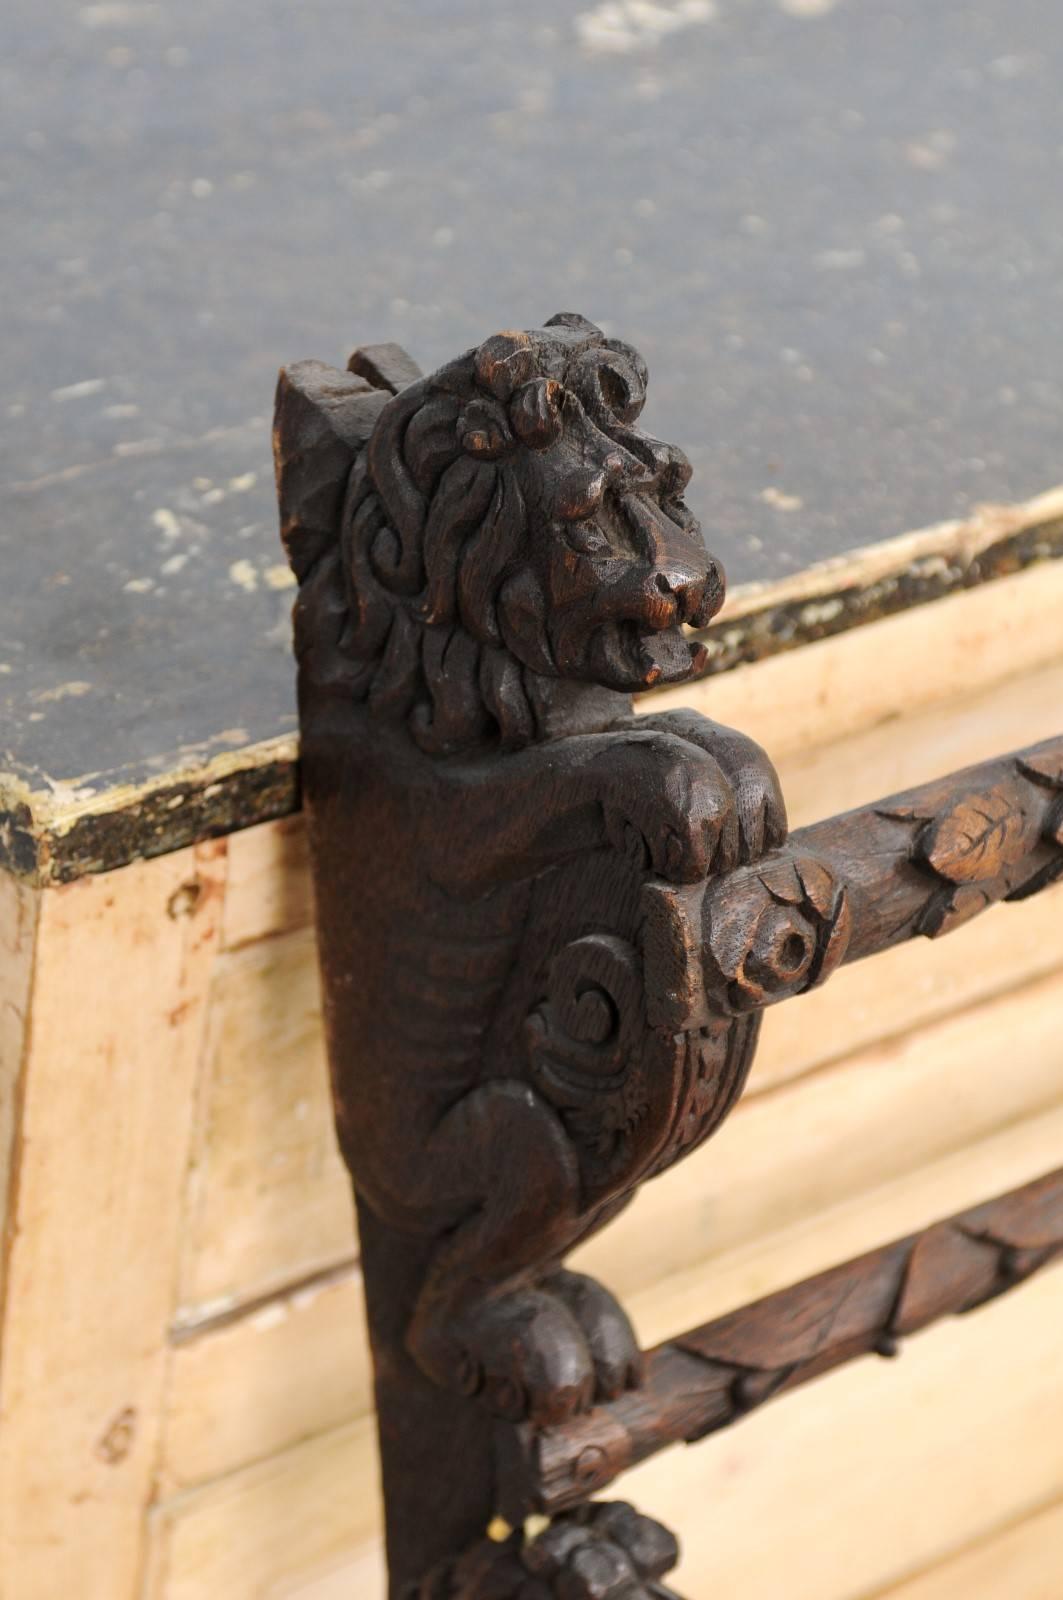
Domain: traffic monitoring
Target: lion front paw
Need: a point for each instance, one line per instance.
(748, 773)
(523, 1353)
(609, 1335)
(672, 808)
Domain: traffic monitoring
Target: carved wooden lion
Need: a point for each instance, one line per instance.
(491, 560)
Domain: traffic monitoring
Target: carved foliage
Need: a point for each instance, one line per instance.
(712, 1376)
(980, 842)
(772, 932)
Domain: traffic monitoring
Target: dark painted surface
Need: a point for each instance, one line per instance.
(838, 239)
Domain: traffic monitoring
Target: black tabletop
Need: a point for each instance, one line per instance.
(833, 227)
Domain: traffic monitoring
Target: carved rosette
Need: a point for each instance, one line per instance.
(773, 931)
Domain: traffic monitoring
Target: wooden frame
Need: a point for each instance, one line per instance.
(546, 955)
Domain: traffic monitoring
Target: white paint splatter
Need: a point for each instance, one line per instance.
(808, 8)
(166, 522)
(280, 576)
(117, 15)
(780, 500)
(62, 691)
(244, 575)
(840, 260)
(618, 27)
(139, 585)
(245, 481)
(174, 564)
(79, 391)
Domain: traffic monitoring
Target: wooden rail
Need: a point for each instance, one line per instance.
(713, 1376)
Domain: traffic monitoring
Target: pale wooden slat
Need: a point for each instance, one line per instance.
(237, 1393)
(945, 1415)
(922, 1118)
(19, 909)
(269, 882)
(926, 656)
(252, 1536)
(865, 1121)
(122, 970)
(1024, 1562)
(271, 1200)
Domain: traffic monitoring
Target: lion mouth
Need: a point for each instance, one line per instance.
(630, 659)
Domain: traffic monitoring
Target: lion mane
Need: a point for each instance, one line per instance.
(430, 582)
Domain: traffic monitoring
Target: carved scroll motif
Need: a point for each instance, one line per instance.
(713, 1376)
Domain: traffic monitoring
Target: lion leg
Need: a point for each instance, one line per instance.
(482, 1322)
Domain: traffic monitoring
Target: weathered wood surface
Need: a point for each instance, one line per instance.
(713, 1376)
(862, 360)
(106, 1110)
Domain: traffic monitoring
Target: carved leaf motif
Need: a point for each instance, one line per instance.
(951, 909)
(980, 837)
(1045, 766)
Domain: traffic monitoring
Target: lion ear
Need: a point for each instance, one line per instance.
(572, 319)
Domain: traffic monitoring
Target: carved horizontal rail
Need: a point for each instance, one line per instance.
(922, 862)
(714, 1375)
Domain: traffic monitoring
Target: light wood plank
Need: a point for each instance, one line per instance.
(791, 1186)
(19, 910)
(865, 1121)
(269, 882)
(123, 963)
(923, 657)
(1023, 1562)
(255, 1534)
(271, 1199)
(242, 1391)
(860, 1476)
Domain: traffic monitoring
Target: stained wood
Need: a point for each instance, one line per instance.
(300, 1365)
(578, 914)
(893, 374)
(122, 971)
(714, 1375)
(843, 1469)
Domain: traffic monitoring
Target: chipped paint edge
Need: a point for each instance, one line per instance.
(54, 835)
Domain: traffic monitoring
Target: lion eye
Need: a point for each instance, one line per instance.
(586, 539)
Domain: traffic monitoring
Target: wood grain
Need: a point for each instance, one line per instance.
(714, 1375)
(123, 968)
(877, 1470)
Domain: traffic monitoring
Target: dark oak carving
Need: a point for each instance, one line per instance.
(599, 1552)
(713, 1376)
(547, 926)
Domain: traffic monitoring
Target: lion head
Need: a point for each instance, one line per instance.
(506, 522)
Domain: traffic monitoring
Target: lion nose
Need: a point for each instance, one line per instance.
(697, 599)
